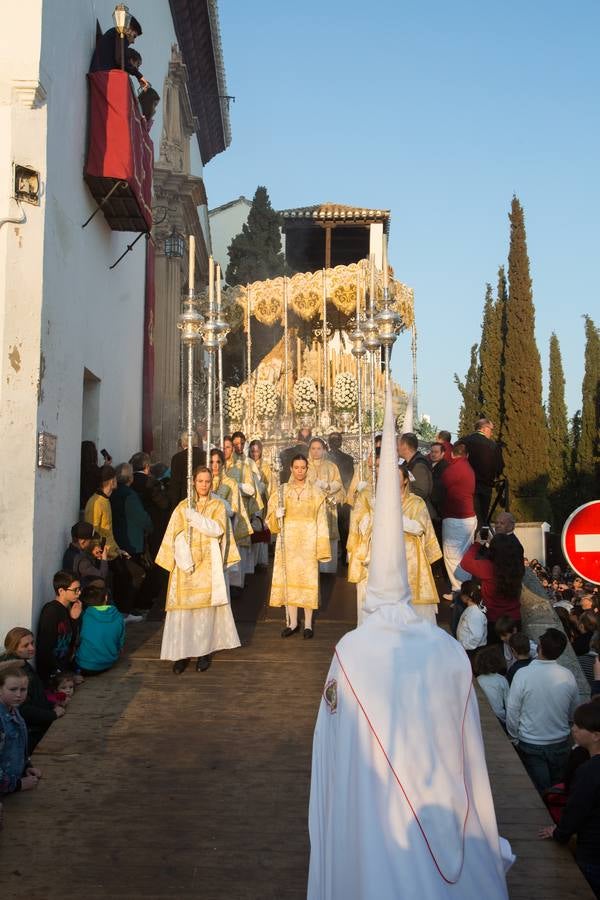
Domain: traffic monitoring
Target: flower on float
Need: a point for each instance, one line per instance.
(305, 395)
(345, 392)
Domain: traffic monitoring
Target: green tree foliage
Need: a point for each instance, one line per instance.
(469, 391)
(588, 451)
(425, 430)
(524, 433)
(255, 254)
(491, 350)
(558, 428)
(500, 326)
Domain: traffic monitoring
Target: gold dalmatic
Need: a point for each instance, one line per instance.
(194, 590)
(306, 542)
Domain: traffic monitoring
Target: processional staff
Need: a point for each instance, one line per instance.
(190, 324)
(277, 466)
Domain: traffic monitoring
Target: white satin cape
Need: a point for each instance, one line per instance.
(400, 801)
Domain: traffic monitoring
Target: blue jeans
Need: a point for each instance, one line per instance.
(13, 748)
(545, 763)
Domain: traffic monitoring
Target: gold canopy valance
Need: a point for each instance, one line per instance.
(305, 294)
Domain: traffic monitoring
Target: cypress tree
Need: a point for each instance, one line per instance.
(469, 390)
(588, 455)
(255, 254)
(558, 429)
(500, 326)
(490, 358)
(525, 434)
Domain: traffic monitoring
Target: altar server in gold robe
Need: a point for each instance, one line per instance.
(199, 619)
(422, 549)
(302, 524)
(227, 490)
(326, 476)
(359, 542)
(242, 471)
(266, 483)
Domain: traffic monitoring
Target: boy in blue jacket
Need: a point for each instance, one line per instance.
(102, 633)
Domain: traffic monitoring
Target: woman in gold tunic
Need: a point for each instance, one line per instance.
(199, 620)
(242, 470)
(266, 482)
(302, 522)
(422, 549)
(326, 476)
(359, 546)
(226, 488)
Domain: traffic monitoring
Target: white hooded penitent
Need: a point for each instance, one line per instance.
(400, 803)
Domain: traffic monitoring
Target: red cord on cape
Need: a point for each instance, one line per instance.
(401, 786)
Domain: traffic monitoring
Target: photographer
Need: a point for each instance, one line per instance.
(485, 457)
(500, 572)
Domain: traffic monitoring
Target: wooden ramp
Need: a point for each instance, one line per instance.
(157, 786)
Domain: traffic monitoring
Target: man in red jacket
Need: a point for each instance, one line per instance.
(459, 521)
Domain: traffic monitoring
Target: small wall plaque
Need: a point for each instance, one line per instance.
(46, 450)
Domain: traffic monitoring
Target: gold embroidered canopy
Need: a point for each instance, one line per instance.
(305, 292)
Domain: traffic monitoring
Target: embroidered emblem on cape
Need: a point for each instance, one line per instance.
(330, 695)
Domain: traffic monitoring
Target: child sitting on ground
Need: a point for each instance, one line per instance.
(37, 711)
(16, 773)
(472, 626)
(520, 647)
(505, 627)
(102, 633)
(490, 668)
(61, 688)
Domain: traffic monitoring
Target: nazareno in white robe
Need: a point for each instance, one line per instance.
(400, 801)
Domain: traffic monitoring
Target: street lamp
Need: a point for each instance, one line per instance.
(174, 245)
(121, 18)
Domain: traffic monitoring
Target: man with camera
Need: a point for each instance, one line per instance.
(485, 458)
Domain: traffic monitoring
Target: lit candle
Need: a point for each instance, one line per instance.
(357, 297)
(192, 263)
(372, 289)
(211, 282)
(218, 282)
(385, 262)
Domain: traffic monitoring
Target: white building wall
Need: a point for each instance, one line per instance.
(61, 309)
(225, 224)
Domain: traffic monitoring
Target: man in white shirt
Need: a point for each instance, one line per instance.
(541, 703)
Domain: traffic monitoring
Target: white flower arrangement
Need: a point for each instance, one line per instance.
(265, 400)
(345, 392)
(305, 395)
(234, 404)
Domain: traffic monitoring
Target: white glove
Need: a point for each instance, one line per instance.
(335, 486)
(247, 489)
(361, 486)
(203, 524)
(411, 526)
(324, 485)
(363, 525)
(280, 512)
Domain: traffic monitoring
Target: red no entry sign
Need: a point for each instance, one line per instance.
(581, 541)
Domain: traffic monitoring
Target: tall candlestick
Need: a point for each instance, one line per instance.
(286, 359)
(372, 286)
(385, 263)
(192, 262)
(220, 361)
(325, 354)
(249, 358)
(211, 361)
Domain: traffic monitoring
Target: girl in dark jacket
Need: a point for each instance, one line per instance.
(37, 711)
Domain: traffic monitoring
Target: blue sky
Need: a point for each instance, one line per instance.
(439, 112)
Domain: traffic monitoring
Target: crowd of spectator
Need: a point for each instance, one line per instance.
(107, 581)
